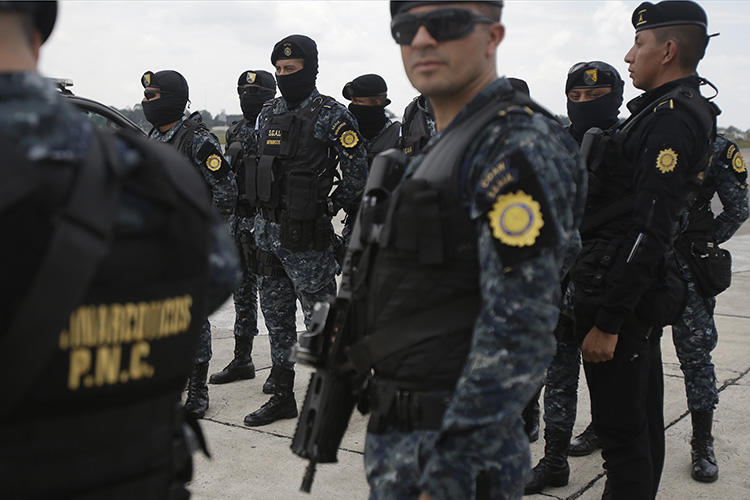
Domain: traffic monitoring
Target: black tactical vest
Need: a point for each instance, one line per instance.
(386, 140)
(241, 155)
(99, 416)
(414, 131)
(421, 291)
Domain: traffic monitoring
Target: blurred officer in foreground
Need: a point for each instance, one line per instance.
(369, 96)
(594, 95)
(642, 179)
(254, 88)
(465, 304)
(302, 135)
(700, 261)
(165, 96)
(111, 260)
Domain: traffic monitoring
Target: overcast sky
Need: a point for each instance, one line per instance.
(105, 47)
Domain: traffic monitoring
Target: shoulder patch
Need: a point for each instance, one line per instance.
(349, 139)
(666, 161)
(208, 155)
(213, 162)
(738, 163)
(516, 219)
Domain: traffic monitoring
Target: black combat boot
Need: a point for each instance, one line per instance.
(585, 443)
(197, 397)
(552, 469)
(705, 469)
(269, 387)
(281, 405)
(530, 417)
(241, 367)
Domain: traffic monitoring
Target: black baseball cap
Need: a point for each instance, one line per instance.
(169, 81)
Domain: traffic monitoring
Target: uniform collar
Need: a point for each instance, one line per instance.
(643, 100)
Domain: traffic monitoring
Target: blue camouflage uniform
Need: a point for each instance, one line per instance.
(241, 228)
(309, 274)
(512, 343)
(695, 334)
(222, 184)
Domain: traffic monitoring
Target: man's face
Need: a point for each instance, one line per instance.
(446, 68)
(151, 94)
(289, 66)
(369, 101)
(644, 60)
(582, 94)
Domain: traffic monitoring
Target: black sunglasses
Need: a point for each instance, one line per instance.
(442, 24)
(150, 94)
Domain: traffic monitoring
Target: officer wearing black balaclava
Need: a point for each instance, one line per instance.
(254, 88)
(165, 97)
(594, 91)
(369, 96)
(302, 136)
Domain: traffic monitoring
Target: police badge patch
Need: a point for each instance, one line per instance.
(349, 139)
(250, 77)
(213, 163)
(287, 51)
(666, 161)
(146, 78)
(516, 219)
(738, 163)
(590, 77)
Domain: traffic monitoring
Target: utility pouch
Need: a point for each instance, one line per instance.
(302, 196)
(250, 164)
(233, 154)
(663, 304)
(324, 235)
(266, 188)
(710, 265)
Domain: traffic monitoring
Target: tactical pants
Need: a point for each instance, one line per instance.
(394, 463)
(694, 337)
(627, 406)
(561, 387)
(246, 294)
(203, 353)
(310, 277)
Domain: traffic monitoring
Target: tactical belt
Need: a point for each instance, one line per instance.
(395, 407)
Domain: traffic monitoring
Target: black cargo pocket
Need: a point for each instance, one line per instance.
(251, 172)
(265, 182)
(301, 190)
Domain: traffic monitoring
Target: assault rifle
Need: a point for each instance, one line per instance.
(336, 385)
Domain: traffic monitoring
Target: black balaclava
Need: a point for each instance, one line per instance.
(601, 112)
(371, 119)
(263, 89)
(170, 105)
(299, 85)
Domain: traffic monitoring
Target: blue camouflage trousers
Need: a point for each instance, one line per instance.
(310, 277)
(203, 354)
(694, 337)
(394, 462)
(561, 387)
(246, 294)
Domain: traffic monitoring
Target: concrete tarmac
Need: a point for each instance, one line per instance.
(256, 463)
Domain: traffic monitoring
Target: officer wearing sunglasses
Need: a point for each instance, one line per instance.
(461, 290)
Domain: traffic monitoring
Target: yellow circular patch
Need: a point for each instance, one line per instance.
(213, 163)
(287, 51)
(738, 163)
(516, 219)
(666, 161)
(349, 139)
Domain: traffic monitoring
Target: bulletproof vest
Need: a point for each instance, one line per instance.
(97, 412)
(183, 139)
(295, 170)
(386, 140)
(610, 156)
(414, 130)
(241, 155)
(421, 291)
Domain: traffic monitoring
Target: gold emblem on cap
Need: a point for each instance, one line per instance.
(250, 77)
(666, 161)
(213, 163)
(738, 163)
(146, 79)
(590, 76)
(641, 17)
(287, 51)
(349, 139)
(516, 219)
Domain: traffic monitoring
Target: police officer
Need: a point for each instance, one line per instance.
(417, 126)
(165, 97)
(627, 285)
(369, 96)
(302, 135)
(109, 237)
(459, 288)
(594, 94)
(254, 88)
(695, 334)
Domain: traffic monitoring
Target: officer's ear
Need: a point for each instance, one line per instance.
(496, 33)
(671, 53)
